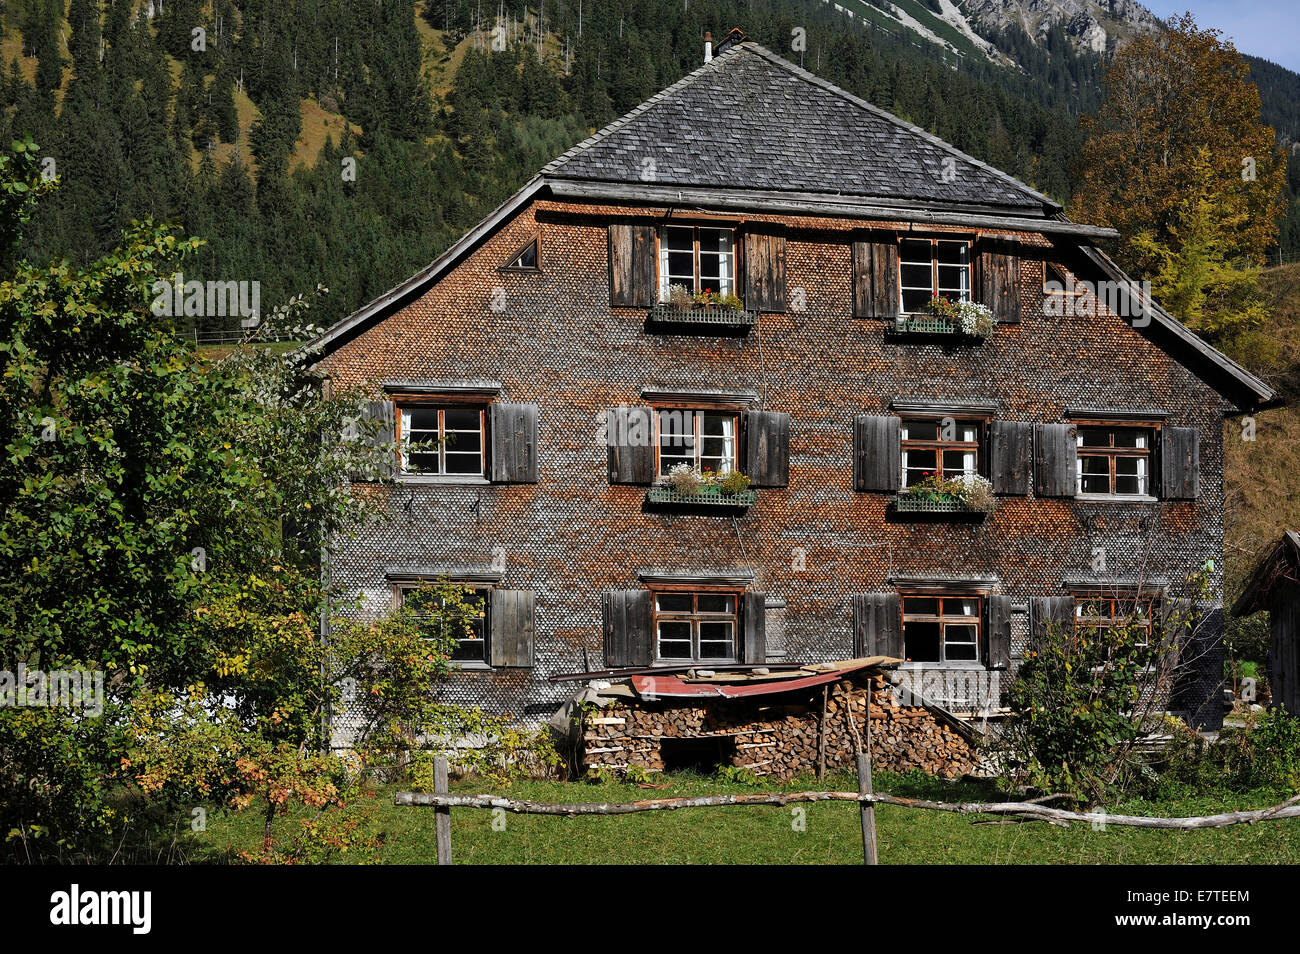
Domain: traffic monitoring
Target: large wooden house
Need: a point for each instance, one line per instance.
(547, 373)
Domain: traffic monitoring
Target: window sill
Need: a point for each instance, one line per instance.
(955, 666)
(472, 667)
(467, 479)
(1116, 498)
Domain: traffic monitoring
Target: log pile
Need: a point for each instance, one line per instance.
(780, 735)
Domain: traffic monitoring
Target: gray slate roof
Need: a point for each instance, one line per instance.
(752, 120)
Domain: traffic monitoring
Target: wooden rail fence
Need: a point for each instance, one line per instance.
(442, 801)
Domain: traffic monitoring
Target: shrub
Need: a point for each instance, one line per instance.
(680, 298)
(733, 482)
(685, 479)
(1264, 753)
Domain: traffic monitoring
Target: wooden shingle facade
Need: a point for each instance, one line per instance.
(539, 410)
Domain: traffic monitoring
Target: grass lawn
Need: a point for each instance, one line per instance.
(763, 835)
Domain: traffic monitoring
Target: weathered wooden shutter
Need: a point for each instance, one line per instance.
(632, 265)
(877, 453)
(999, 278)
(628, 625)
(513, 429)
(999, 634)
(875, 276)
(1180, 463)
(629, 436)
(767, 442)
(384, 415)
(877, 625)
(754, 649)
(1056, 460)
(1045, 611)
(1010, 456)
(764, 264)
(513, 629)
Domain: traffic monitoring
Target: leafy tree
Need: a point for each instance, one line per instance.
(1174, 100)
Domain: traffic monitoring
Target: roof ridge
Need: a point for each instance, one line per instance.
(640, 110)
(884, 114)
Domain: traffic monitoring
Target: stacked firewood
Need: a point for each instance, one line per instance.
(782, 735)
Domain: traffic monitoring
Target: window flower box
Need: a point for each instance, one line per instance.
(704, 497)
(943, 317)
(685, 485)
(704, 316)
(934, 493)
(907, 504)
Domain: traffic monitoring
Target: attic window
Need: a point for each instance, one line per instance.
(930, 268)
(526, 259)
(698, 259)
(1057, 282)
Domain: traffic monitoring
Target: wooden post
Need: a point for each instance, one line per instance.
(868, 812)
(821, 739)
(442, 818)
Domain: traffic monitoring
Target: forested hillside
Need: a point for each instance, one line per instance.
(240, 119)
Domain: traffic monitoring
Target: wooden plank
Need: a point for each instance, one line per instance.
(755, 648)
(630, 443)
(631, 265)
(764, 264)
(442, 820)
(877, 450)
(767, 436)
(1180, 463)
(999, 639)
(999, 275)
(875, 276)
(1010, 456)
(1055, 460)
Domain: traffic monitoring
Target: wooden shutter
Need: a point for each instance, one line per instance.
(632, 265)
(767, 443)
(1180, 463)
(875, 277)
(878, 625)
(1056, 457)
(754, 649)
(999, 278)
(511, 617)
(764, 263)
(628, 624)
(877, 453)
(629, 435)
(384, 435)
(1044, 611)
(999, 632)
(1010, 454)
(513, 429)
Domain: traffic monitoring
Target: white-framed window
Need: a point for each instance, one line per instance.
(706, 440)
(1111, 612)
(1114, 460)
(425, 602)
(942, 446)
(699, 258)
(438, 440)
(697, 627)
(933, 267)
(941, 629)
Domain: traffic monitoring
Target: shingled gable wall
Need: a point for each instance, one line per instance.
(571, 536)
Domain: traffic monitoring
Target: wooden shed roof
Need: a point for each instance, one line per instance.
(1280, 565)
